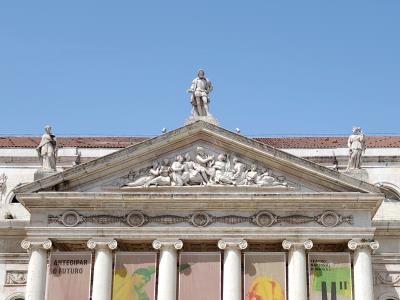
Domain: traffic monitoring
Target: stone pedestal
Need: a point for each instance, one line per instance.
(297, 268)
(363, 277)
(209, 119)
(232, 285)
(37, 268)
(102, 272)
(167, 269)
(39, 174)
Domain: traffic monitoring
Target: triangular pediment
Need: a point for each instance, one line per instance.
(211, 156)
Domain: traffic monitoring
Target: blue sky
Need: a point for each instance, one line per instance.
(123, 67)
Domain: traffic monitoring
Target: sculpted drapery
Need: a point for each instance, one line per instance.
(47, 150)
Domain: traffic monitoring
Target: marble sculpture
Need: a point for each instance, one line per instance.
(205, 169)
(356, 144)
(47, 150)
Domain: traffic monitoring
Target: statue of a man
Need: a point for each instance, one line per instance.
(47, 150)
(356, 144)
(200, 89)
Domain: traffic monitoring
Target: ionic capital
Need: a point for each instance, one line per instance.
(307, 244)
(33, 244)
(357, 244)
(102, 244)
(162, 244)
(240, 244)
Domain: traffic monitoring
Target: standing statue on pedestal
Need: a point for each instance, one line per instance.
(356, 144)
(47, 150)
(200, 89)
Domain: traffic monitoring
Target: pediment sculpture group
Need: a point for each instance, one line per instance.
(205, 169)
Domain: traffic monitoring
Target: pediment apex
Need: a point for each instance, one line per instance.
(185, 139)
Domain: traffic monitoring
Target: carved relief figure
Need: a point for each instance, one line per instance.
(251, 176)
(202, 160)
(153, 172)
(356, 144)
(239, 170)
(222, 173)
(266, 179)
(47, 150)
(191, 176)
(200, 89)
(16, 277)
(178, 168)
(163, 179)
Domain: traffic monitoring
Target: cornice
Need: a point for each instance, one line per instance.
(208, 198)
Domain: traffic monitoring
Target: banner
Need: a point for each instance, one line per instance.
(330, 276)
(264, 276)
(69, 276)
(134, 276)
(200, 276)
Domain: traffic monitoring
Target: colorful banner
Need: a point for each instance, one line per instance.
(134, 276)
(264, 276)
(69, 276)
(330, 276)
(200, 276)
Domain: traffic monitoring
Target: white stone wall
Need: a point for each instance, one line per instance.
(19, 165)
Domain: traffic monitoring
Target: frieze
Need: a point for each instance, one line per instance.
(201, 167)
(16, 277)
(200, 219)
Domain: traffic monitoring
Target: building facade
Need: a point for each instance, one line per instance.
(200, 213)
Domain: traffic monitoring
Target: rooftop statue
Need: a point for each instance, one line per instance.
(356, 144)
(47, 150)
(200, 89)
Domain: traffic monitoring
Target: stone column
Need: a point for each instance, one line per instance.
(102, 273)
(232, 285)
(362, 267)
(297, 268)
(37, 268)
(167, 269)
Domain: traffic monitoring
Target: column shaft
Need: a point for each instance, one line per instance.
(297, 268)
(232, 284)
(102, 275)
(37, 268)
(297, 274)
(167, 274)
(36, 279)
(363, 281)
(362, 263)
(167, 270)
(102, 272)
(232, 288)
